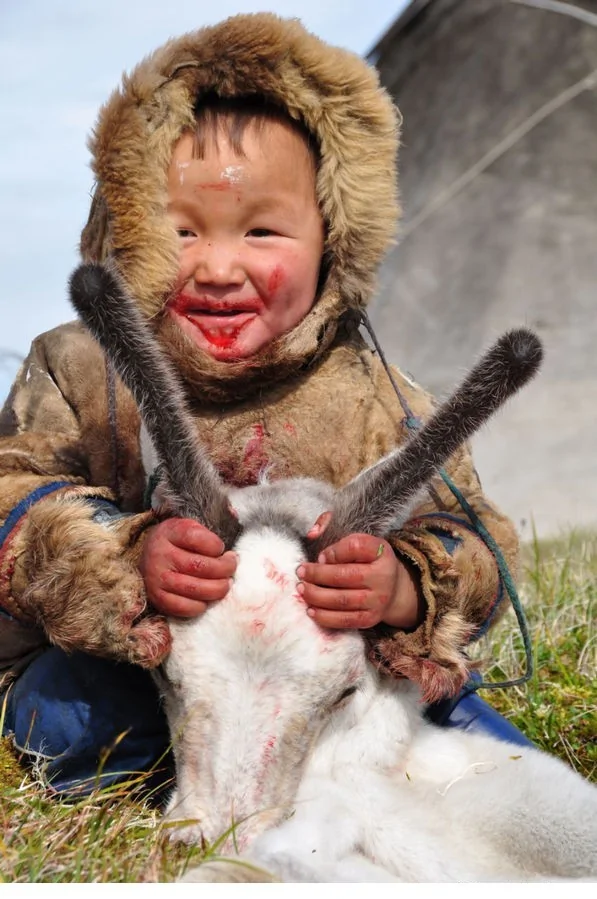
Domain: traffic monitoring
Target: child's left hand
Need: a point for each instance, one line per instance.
(358, 582)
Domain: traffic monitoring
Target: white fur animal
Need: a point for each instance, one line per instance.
(330, 771)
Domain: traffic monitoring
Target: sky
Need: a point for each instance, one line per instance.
(59, 61)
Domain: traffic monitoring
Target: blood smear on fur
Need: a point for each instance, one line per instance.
(274, 574)
(254, 458)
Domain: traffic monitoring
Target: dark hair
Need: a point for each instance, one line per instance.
(233, 115)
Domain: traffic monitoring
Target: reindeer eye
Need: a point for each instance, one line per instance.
(162, 681)
(345, 694)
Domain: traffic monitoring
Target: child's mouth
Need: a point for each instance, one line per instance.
(221, 331)
(219, 323)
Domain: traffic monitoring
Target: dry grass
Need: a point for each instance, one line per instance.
(110, 836)
(114, 836)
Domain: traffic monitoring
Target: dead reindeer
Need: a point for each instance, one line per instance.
(328, 769)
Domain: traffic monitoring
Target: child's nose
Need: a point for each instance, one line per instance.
(218, 263)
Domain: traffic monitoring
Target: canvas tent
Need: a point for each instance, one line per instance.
(499, 190)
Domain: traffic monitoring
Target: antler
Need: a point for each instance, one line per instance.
(382, 496)
(194, 488)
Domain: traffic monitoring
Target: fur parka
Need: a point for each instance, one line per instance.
(316, 401)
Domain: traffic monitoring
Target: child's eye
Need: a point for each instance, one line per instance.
(260, 232)
(185, 233)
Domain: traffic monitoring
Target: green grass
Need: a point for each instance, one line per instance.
(114, 836)
(557, 708)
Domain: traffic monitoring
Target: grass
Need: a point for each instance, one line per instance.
(557, 708)
(115, 836)
(111, 836)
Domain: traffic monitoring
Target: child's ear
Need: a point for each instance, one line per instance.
(320, 525)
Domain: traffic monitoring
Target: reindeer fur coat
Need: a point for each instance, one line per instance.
(315, 402)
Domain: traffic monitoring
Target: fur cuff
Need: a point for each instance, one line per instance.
(458, 590)
(79, 581)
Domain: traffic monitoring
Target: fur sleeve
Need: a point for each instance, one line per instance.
(62, 572)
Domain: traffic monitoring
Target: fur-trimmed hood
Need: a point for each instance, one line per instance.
(337, 97)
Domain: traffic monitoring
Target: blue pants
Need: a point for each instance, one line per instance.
(92, 722)
(89, 722)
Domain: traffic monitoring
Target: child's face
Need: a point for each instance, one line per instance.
(251, 239)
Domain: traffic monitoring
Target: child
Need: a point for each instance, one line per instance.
(246, 193)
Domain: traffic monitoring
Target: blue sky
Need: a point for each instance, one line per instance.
(59, 61)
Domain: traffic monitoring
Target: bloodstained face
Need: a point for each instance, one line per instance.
(251, 239)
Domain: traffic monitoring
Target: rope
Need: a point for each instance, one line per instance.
(509, 586)
(444, 196)
(413, 423)
(566, 9)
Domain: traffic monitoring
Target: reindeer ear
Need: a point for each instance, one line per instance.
(320, 525)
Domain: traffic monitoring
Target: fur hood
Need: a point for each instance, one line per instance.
(337, 97)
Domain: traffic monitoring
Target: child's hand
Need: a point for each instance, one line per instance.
(358, 582)
(183, 567)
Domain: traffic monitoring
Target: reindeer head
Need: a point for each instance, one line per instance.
(251, 684)
(249, 687)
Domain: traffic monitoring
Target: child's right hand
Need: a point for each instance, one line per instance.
(184, 567)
